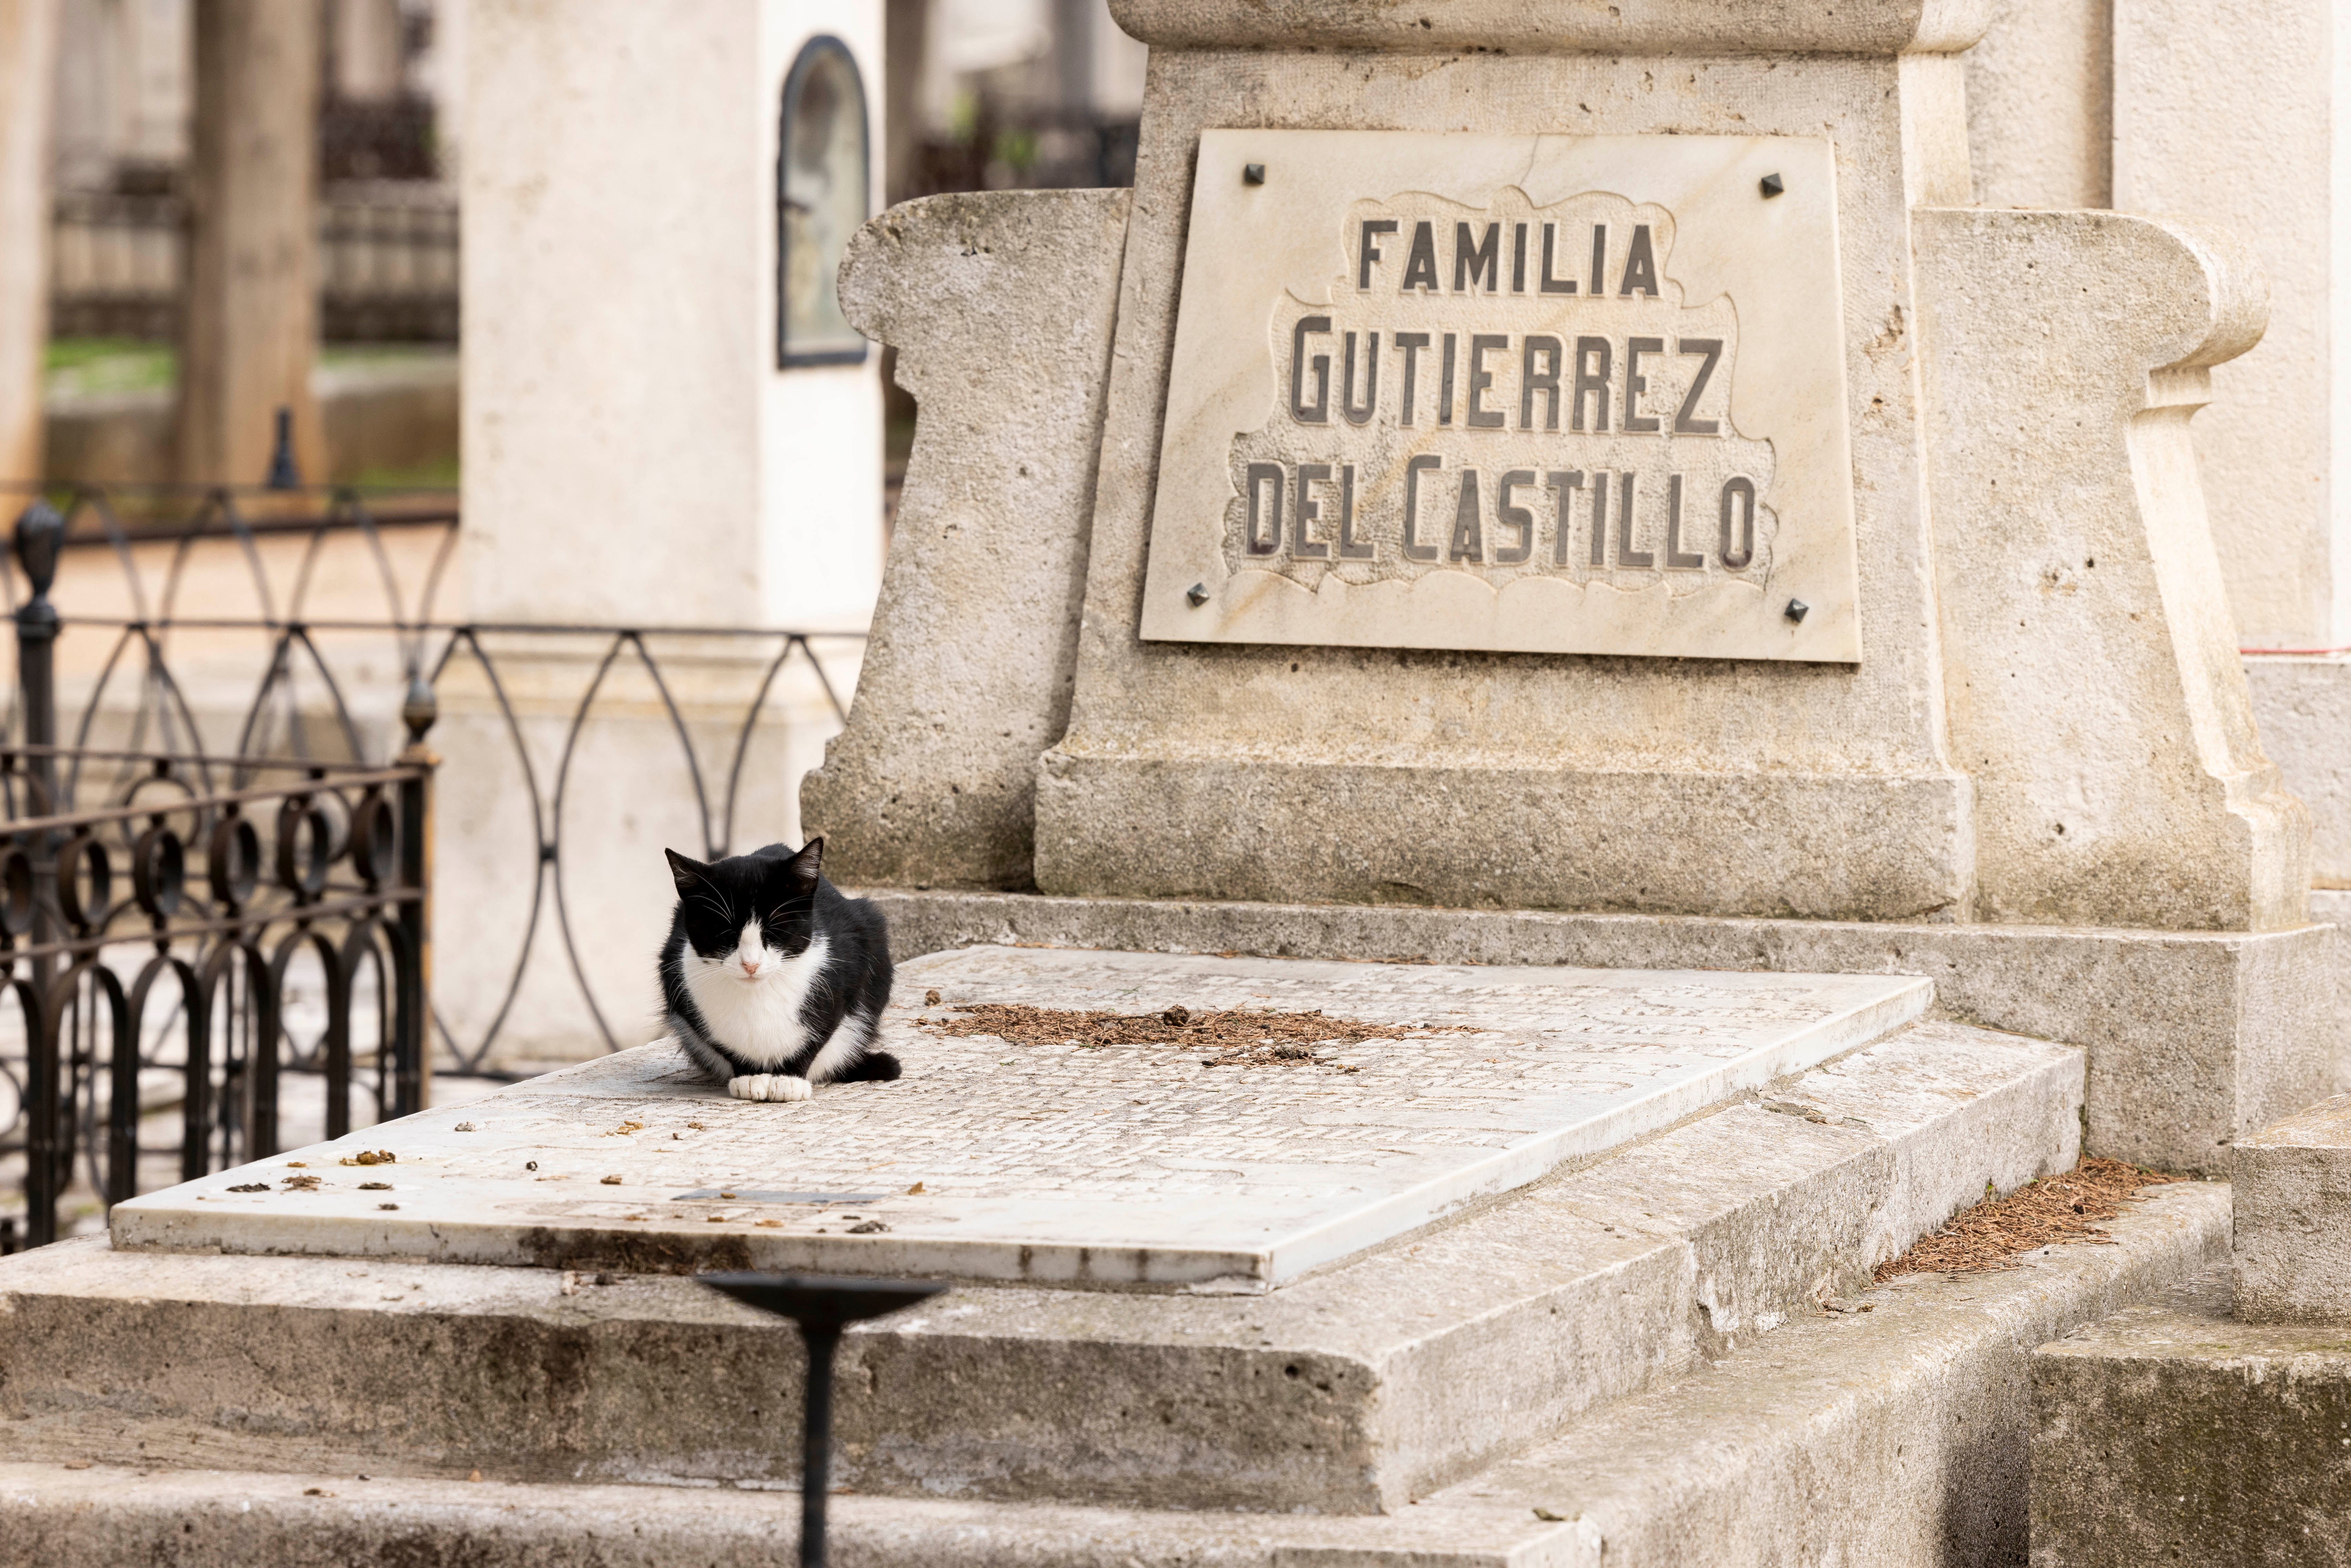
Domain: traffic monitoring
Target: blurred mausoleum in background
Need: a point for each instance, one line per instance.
(1020, 93)
(979, 95)
(1003, 94)
(388, 115)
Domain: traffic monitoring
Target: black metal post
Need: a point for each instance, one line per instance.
(821, 1305)
(412, 1008)
(816, 1439)
(39, 535)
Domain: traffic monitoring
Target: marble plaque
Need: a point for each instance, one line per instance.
(1568, 394)
(1131, 1166)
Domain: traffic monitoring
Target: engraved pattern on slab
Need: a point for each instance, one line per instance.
(1069, 1161)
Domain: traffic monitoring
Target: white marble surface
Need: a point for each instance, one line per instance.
(1755, 276)
(1132, 1165)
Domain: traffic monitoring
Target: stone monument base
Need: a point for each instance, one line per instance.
(1658, 1343)
(216, 1412)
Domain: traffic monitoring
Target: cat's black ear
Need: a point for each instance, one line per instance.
(689, 873)
(807, 867)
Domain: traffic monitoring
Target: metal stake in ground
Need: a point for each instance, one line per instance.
(822, 1305)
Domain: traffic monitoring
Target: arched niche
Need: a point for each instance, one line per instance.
(823, 178)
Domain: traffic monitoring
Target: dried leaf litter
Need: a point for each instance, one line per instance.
(2051, 1212)
(1238, 1038)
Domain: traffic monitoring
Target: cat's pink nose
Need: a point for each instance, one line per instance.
(750, 966)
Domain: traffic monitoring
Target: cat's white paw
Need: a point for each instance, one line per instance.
(769, 1086)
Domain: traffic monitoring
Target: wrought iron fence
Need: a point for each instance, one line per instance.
(307, 784)
(187, 976)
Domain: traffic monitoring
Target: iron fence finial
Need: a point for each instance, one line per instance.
(284, 474)
(40, 535)
(419, 708)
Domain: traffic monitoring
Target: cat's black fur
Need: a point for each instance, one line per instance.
(788, 894)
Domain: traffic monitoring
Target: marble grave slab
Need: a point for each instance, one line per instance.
(1133, 1166)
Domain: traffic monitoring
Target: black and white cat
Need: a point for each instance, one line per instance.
(772, 980)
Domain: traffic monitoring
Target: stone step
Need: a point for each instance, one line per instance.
(2177, 1432)
(1873, 1439)
(1354, 1389)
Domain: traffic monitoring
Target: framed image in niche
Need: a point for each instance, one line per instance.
(824, 193)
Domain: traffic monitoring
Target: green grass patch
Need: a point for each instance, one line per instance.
(84, 365)
(77, 366)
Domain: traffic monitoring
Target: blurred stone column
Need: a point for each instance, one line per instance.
(905, 38)
(249, 326)
(28, 38)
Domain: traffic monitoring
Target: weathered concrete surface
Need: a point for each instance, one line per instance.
(1351, 1390)
(1000, 307)
(2332, 905)
(2172, 1433)
(2040, 89)
(2095, 694)
(1879, 1439)
(1883, 1438)
(2303, 703)
(2293, 1218)
(2195, 1038)
(2185, 72)
(109, 1516)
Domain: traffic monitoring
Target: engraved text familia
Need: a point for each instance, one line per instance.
(1504, 393)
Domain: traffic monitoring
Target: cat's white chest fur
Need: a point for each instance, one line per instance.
(757, 1016)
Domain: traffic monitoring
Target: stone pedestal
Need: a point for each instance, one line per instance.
(1922, 784)
(2139, 105)
(2293, 1218)
(1002, 305)
(2178, 1432)
(2215, 1426)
